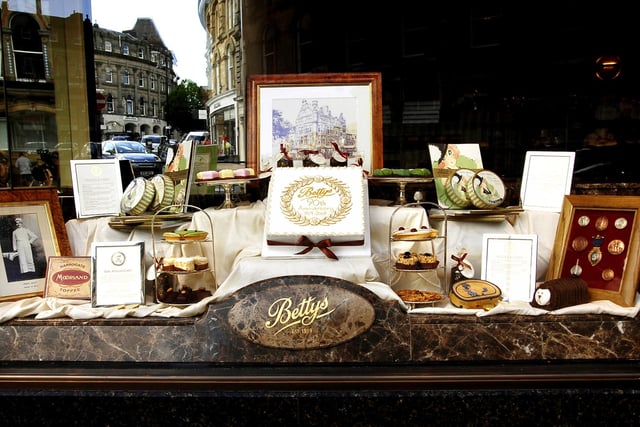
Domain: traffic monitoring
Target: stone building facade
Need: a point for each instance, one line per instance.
(226, 106)
(134, 72)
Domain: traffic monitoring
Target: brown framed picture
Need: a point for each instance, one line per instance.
(315, 114)
(32, 229)
(598, 240)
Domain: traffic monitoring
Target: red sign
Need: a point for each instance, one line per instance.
(101, 101)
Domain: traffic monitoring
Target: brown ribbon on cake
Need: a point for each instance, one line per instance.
(323, 245)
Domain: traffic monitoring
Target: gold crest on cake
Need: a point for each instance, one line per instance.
(317, 212)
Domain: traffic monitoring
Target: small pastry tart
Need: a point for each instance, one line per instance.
(423, 232)
(184, 235)
(427, 261)
(164, 192)
(137, 197)
(407, 261)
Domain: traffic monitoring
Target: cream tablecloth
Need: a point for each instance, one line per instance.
(236, 256)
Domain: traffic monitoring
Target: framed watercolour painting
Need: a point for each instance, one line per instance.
(316, 117)
(32, 229)
(598, 240)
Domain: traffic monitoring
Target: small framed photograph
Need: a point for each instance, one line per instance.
(117, 273)
(598, 240)
(31, 230)
(69, 278)
(97, 187)
(315, 115)
(546, 179)
(510, 261)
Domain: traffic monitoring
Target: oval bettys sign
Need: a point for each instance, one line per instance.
(301, 316)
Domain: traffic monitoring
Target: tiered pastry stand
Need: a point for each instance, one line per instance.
(194, 247)
(441, 254)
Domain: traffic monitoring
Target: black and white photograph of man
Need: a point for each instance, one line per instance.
(22, 249)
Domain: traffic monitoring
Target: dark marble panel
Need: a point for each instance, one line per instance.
(597, 339)
(512, 337)
(83, 341)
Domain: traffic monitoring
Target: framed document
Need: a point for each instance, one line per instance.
(546, 179)
(117, 273)
(97, 187)
(509, 261)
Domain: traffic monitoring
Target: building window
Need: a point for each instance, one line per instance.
(108, 75)
(154, 57)
(27, 48)
(107, 46)
(141, 79)
(230, 14)
(125, 49)
(230, 69)
(218, 82)
(154, 108)
(152, 81)
(109, 103)
(141, 53)
(129, 106)
(143, 107)
(163, 86)
(125, 78)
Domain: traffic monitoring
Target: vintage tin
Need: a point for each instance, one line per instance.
(473, 293)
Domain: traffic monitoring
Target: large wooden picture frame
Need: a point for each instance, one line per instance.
(598, 239)
(40, 212)
(350, 103)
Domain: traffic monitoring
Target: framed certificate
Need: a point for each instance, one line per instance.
(117, 273)
(97, 187)
(509, 261)
(546, 179)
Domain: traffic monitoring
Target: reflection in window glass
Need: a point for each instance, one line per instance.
(43, 90)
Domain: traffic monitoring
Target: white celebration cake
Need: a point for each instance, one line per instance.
(309, 207)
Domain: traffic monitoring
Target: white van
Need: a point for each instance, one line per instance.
(199, 136)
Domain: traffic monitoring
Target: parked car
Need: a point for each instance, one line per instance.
(144, 164)
(152, 142)
(200, 136)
